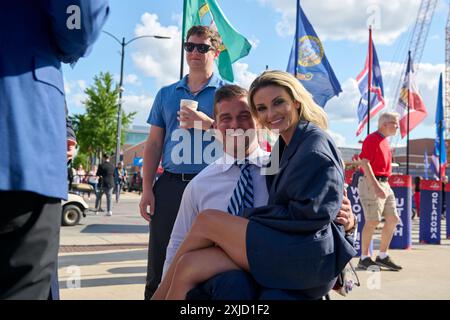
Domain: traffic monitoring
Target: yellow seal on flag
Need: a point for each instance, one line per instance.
(310, 51)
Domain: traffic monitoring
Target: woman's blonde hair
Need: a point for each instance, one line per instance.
(309, 110)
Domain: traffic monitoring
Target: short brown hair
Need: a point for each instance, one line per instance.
(206, 32)
(228, 92)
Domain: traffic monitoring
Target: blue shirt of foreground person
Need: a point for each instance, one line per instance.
(36, 37)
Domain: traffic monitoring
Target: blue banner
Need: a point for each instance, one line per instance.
(309, 64)
(402, 185)
(440, 150)
(430, 211)
(447, 211)
(137, 162)
(353, 195)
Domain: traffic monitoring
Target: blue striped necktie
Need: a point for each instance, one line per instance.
(243, 193)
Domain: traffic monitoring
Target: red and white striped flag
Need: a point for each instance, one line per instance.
(409, 95)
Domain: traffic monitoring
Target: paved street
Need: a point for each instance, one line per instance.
(106, 257)
(107, 254)
(125, 226)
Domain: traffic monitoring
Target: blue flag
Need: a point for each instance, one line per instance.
(137, 161)
(308, 63)
(376, 89)
(440, 152)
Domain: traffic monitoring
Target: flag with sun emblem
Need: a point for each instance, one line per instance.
(309, 64)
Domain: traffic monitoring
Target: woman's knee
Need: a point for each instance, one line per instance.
(201, 223)
(187, 266)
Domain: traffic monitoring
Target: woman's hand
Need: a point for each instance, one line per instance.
(345, 215)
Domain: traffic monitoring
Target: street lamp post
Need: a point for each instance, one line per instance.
(123, 44)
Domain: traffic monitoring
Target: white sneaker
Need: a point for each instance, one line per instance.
(109, 213)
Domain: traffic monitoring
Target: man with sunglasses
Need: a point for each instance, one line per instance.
(160, 202)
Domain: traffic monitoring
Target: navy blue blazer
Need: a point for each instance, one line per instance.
(293, 243)
(35, 38)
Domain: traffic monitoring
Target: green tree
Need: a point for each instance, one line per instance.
(97, 128)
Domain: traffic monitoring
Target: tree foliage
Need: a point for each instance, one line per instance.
(96, 129)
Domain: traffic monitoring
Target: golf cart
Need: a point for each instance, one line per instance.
(73, 209)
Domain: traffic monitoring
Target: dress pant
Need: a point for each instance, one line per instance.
(117, 191)
(168, 191)
(29, 242)
(229, 285)
(98, 201)
(54, 286)
(317, 293)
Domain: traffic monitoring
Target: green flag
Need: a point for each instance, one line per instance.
(208, 13)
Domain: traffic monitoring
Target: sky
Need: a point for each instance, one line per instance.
(342, 26)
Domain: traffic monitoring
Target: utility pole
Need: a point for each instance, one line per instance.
(123, 44)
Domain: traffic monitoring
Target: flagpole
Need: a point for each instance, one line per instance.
(440, 148)
(183, 30)
(408, 106)
(369, 80)
(296, 40)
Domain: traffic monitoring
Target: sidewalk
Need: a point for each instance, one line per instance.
(115, 268)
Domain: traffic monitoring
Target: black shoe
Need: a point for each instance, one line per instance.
(368, 263)
(387, 263)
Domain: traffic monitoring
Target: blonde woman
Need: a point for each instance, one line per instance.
(291, 246)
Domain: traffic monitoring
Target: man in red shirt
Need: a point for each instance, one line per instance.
(377, 197)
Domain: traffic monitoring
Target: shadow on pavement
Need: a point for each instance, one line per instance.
(103, 282)
(104, 257)
(115, 228)
(128, 270)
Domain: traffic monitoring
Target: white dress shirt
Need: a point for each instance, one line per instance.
(212, 188)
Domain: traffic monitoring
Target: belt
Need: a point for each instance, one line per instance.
(382, 178)
(181, 176)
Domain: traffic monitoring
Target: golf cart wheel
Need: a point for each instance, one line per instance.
(71, 215)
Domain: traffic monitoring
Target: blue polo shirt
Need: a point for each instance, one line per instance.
(185, 151)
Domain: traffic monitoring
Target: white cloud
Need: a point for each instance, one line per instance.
(75, 93)
(254, 42)
(132, 79)
(178, 18)
(342, 110)
(140, 104)
(427, 81)
(243, 76)
(75, 101)
(67, 88)
(349, 19)
(338, 138)
(82, 84)
(157, 58)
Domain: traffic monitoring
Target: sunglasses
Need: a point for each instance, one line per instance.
(201, 47)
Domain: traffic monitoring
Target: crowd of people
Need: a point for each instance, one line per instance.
(275, 225)
(106, 179)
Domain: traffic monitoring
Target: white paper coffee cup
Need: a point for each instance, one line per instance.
(191, 104)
